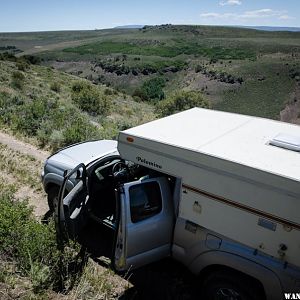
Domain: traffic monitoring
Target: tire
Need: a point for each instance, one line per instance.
(228, 285)
(53, 197)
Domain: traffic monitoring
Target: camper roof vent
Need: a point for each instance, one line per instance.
(286, 141)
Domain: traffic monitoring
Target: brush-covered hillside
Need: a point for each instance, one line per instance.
(236, 69)
(55, 109)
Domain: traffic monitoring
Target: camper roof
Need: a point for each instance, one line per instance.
(267, 145)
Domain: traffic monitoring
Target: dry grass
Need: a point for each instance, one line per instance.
(24, 168)
(24, 172)
(97, 282)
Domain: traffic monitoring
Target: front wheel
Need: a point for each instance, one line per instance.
(227, 285)
(53, 197)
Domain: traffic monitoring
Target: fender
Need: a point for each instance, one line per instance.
(52, 178)
(268, 279)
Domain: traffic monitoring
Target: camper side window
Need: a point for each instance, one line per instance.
(145, 201)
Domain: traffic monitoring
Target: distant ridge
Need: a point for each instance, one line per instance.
(264, 28)
(130, 26)
(272, 28)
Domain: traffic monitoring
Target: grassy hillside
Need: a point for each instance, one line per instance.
(267, 89)
(40, 102)
(237, 69)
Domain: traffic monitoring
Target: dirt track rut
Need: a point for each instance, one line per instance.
(22, 147)
(34, 194)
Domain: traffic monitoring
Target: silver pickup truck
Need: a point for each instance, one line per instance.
(143, 198)
(108, 177)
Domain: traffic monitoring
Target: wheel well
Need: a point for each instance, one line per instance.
(51, 185)
(214, 268)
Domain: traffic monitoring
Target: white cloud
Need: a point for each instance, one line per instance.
(211, 15)
(230, 2)
(217, 15)
(286, 17)
(264, 13)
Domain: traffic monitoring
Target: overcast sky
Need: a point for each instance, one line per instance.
(40, 15)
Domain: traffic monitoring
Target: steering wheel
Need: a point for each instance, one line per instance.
(118, 170)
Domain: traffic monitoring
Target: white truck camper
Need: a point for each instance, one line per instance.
(217, 191)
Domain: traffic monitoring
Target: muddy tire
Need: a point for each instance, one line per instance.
(230, 285)
(53, 197)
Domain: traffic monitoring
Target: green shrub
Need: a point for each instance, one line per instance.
(34, 60)
(199, 68)
(80, 130)
(29, 243)
(88, 98)
(55, 87)
(64, 126)
(22, 65)
(7, 56)
(79, 85)
(55, 138)
(54, 125)
(181, 101)
(17, 79)
(136, 98)
(28, 117)
(151, 89)
(108, 92)
(32, 246)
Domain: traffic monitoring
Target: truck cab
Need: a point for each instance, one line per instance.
(117, 209)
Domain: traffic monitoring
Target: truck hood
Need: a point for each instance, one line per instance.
(85, 153)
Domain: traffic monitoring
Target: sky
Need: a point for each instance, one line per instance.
(44, 15)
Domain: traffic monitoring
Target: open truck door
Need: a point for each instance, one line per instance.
(70, 215)
(146, 223)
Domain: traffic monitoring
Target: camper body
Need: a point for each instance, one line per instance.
(204, 187)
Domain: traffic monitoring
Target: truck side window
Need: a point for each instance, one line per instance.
(145, 201)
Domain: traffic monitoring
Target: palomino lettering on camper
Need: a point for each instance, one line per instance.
(147, 162)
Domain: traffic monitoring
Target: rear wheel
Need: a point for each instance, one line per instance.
(53, 197)
(228, 285)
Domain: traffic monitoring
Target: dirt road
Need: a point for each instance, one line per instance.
(21, 165)
(22, 147)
